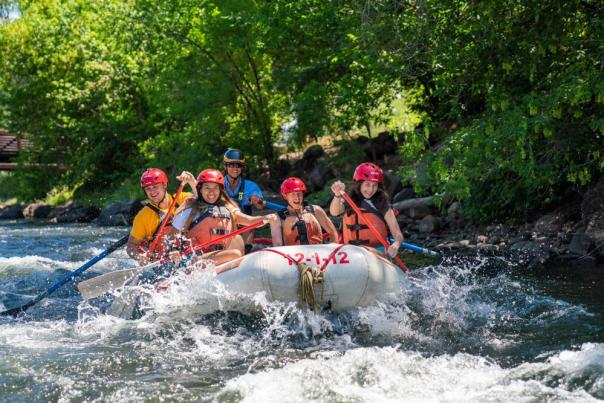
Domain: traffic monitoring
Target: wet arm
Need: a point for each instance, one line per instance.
(326, 224)
(244, 219)
(276, 233)
(133, 247)
(336, 207)
(393, 226)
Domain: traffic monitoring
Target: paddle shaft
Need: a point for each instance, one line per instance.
(66, 279)
(419, 249)
(166, 218)
(275, 206)
(226, 236)
(375, 232)
(214, 241)
(107, 282)
(405, 245)
(104, 283)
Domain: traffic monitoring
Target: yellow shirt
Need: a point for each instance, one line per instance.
(147, 221)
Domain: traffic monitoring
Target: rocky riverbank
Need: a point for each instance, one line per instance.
(571, 235)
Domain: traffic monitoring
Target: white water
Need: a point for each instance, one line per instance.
(449, 336)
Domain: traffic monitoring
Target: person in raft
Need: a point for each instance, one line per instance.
(213, 214)
(301, 222)
(145, 226)
(373, 202)
(244, 192)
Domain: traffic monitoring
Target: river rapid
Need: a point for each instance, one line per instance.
(471, 331)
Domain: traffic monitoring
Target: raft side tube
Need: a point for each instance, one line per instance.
(353, 277)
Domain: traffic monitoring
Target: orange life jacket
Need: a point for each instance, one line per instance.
(212, 222)
(301, 229)
(354, 230)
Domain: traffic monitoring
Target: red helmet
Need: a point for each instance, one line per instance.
(291, 185)
(153, 176)
(211, 176)
(368, 171)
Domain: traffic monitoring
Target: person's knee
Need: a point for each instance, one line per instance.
(237, 243)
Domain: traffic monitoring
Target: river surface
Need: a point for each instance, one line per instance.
(462, 331)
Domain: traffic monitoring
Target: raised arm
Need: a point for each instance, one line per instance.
(336, 207)
(188, 178)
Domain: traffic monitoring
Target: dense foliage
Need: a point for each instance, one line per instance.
(509, 93)
(523, 84)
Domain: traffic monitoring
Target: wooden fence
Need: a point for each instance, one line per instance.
(10, 146)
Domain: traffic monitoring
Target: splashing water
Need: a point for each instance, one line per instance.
(456, 333)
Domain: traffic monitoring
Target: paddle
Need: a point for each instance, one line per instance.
(121, 276)
(372, 229)
(275, 206)
(104, 283)
(404, 245)
(165, 220)
(64, 280)
(419, 249)
(110, 281)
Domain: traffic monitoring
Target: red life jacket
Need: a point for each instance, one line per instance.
(356, 232)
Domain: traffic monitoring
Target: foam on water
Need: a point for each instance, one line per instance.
(389, 374)
(453, 334)
(29, 264)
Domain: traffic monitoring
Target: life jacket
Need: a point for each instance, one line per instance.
(247, 209)
(301, 229)
(212, 222)
(160, 248)
(356, 232)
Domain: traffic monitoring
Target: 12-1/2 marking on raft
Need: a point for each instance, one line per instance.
(338, 258)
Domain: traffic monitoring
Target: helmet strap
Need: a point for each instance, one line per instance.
(290, 207)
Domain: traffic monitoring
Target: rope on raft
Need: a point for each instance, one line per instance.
(309, 277)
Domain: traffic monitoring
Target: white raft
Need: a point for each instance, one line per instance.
(352, 277)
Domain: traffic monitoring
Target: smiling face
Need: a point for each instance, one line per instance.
(368, 189)
(210, 192)
(233, 169)
(156, 193)
(295, 200)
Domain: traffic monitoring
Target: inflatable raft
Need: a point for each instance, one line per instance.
(333, 276)
(336, 276)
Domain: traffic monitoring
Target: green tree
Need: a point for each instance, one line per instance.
(70, 82)
(522, 84)
(334, 62)
(214, 75)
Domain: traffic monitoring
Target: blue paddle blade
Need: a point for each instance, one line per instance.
(12, 299)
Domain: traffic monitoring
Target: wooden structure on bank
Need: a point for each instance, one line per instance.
(10, 146)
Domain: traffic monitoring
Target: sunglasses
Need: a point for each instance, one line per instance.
(233, 165)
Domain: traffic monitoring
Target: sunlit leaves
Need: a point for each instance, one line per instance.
(521, 80)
